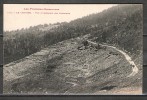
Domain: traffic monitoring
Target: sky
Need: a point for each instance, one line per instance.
(17, 16)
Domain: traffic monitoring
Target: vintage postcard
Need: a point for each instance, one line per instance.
(80, 49)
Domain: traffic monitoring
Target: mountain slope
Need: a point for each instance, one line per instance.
(115, 26)
(63, 68)
(59, 63)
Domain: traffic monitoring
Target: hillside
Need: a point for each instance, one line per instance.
(59, 61)
(62, 68)
(122, 21)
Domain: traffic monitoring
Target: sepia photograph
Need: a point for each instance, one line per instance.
(73, 49)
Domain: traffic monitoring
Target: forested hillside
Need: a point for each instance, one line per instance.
(120, 26)
(99, 53)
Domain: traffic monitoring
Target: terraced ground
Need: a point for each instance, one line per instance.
(64, 69)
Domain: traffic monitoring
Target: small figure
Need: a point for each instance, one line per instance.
(85, 43)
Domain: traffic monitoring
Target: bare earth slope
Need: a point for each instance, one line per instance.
(64, 69)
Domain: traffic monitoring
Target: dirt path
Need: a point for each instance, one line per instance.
(127, 57)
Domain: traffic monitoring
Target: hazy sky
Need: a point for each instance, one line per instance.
(17, 16)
